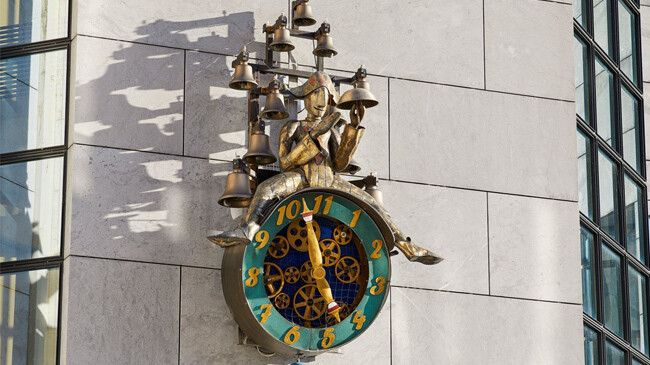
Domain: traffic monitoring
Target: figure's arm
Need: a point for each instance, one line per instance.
(349, 140)
(307, 147)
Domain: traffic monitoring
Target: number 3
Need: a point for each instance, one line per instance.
(379, 288)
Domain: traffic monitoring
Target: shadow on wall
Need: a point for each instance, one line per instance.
(159, 204)
(155, 207)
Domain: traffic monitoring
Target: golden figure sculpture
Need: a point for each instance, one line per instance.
(312, 153)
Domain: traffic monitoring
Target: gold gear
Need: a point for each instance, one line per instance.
(331, 252)
(279, 247)
(282, 301)
(347, 269)
(291, 275)
(297, 234)
(305, 272)
(342, 234)
(272, 275)
(307, 305)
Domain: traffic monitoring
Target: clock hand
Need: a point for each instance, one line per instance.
(316, 258)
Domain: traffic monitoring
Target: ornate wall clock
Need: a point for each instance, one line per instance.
(271, 288)
(307, 269)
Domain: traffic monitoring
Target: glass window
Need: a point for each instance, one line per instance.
(603, 25)
(591, 346)
(588, 262)
(30, 209)
(584, 175)
(608, 195)
(604, 103)
(612, 291)
(32, 101)
(614, 355)
(581, 91)
(636, 362)
(638, 318)
(631, 130)
(634, 232)
(29, 21)
(580, 12)
(627, 43)
(29, 316)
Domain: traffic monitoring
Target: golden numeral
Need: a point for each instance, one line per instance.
(292, 336)
(379, 288)
(355, 217)
(263, 238)
(252, 280)
(328, 338)
(281, 211)
(317, 201)
(293, 209)
(328, 204)
(267, 312)
(376, 244)
(359, 319)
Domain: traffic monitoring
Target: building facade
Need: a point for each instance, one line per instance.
(118, 128)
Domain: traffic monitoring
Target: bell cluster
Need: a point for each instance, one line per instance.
(241, 182)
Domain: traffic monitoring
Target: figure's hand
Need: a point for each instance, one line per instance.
(356, 114)
(325, 125)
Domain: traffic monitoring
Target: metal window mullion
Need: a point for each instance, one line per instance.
(32, 155)
(32, 48)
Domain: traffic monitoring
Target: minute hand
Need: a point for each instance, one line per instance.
(316, 258)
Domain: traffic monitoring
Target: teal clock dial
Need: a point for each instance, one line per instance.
(282, 306)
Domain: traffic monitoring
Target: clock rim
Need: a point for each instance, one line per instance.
(232, 285)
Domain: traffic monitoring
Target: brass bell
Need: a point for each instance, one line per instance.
(353, 167)
(302, 16)
(324, 42)
(243, 78)
(360, 94)
(237, 193)
(372, 189)
(259, 147)
(274, 108)
(281, 40)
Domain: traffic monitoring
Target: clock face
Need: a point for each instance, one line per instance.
(277, 279)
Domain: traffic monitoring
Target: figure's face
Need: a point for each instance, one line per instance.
(316, 102)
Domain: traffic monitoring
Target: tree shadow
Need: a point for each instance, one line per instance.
(174, 106)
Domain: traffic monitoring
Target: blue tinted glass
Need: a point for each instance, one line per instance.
(604, 103)
(30, 308)
(638, 310)
(627, 41)
(612, 291)
(634, 219)
(32, 101)
(585, 197)
(588, 262)
(631, 130)
(29, 21)
(591, 346)
(608, 195)
(31, 209)
(614, 355)
(581, 89)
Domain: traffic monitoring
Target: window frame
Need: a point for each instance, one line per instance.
(615, 154)
(50, 262)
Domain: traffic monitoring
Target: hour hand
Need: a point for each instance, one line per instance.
(316, 258)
